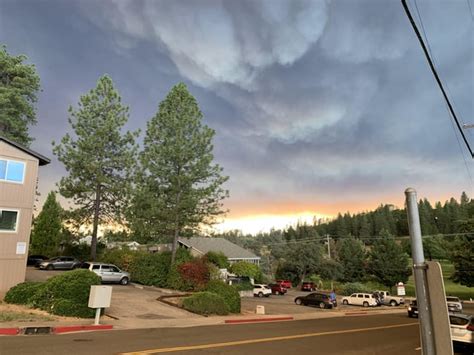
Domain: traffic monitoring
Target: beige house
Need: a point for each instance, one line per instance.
(18, 176)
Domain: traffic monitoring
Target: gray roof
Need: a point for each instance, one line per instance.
(231, 250)
(42, 159)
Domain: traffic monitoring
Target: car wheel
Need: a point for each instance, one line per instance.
(50, 267)
(410, 315)
(260, 294)
(277, 293)
(322, 305)
(393, 303)
(345, 302)
(124, 281)
(298, 301)
(365, 304)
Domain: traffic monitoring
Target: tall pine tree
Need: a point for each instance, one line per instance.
(99, 158)
(179, 187)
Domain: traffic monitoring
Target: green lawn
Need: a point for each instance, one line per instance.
(452, 288)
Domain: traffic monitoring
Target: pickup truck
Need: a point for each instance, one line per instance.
(389, 299)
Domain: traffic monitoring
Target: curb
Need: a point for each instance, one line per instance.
(9, 331)
(355, 313)
(256, 320)
(53, 330)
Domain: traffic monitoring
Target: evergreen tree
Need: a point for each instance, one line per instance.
(388, 262)
(463, 258)
(47, 233)
(352, 257)
(179, 189)
(19, 85)
(99, 159)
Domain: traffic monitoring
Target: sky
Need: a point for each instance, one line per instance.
(319, 107)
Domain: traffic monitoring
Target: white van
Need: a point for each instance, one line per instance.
(360, 299)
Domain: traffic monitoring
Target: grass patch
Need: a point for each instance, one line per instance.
(10, 316)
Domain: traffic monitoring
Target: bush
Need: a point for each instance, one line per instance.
(243, 268)
(206, 303)
(151, 269)
(72, 286)
(218, 259)
(354, 287)
(242, 286)
(123, 258)
(228, 293)
(23, 293)
(195, 274)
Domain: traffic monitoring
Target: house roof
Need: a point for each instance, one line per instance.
(42, 159)
(231, 250)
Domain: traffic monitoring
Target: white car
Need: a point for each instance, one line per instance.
(462, 329)
(360, 299)
(454, 304)
(108, 272)
(260, 290)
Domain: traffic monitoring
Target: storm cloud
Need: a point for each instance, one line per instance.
(318, 104)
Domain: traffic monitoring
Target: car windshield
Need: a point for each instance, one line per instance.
(452, 299)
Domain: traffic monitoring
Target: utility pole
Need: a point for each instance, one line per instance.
(419, 266)
(329, 246)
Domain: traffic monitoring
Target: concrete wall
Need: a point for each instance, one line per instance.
(19, 197)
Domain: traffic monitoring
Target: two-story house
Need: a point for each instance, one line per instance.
(18, 177)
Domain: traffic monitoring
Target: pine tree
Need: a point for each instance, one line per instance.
(47, 231)
(99, 159)
(179, 188)
(388, 262)
(19, 85)
(352, 257)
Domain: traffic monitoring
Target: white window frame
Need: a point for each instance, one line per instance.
(8, 209)
(6, 171)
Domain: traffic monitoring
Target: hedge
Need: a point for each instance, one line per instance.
(206, 303)
(354, 287)
(228, 293)
(66, 294)
(23, 293)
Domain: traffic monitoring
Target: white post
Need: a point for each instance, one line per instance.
(97, 316)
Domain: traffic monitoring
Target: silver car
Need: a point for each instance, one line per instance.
(108, 272)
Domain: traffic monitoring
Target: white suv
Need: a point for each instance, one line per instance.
(454, 304)
(108, 272)
(261, 290)
(360, 299)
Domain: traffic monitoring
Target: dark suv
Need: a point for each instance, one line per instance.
(321, 300)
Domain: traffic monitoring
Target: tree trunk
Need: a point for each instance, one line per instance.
(176, 230)
(95, 224)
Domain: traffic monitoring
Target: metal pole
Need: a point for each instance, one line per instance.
(97, 316)
(419, 266)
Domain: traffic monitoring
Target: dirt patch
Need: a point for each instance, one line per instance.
(20, 313)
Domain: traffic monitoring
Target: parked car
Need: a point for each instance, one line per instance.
(260, 290)
(462, 329)
(285, 283)
(277, 289)
(60, 263)
(388, 299)
(308, 286)
(108, 272)
(321, 300)
(360, 299)
(454, 304)
(413, 309)
(35, 260)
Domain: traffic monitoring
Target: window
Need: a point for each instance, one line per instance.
(360, 296)
(114, 269)
(13, 171)
(367, 296)
(95, 267)
(8, 220)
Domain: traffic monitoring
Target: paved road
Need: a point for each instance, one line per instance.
(377, 334)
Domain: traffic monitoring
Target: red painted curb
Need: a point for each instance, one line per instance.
(78, 328)
(354, 313)
(9, 331)
(235, 321)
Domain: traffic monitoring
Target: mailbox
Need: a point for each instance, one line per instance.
(100, 296)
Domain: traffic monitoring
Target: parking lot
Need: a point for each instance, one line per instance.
(286, 305)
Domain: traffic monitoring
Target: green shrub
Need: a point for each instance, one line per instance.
(228, 293)
(64, 307)
(206, 303)
(72, 286)
(151, 269)
(123, 258)
(218, 259)
(243, 286)
(22, 293)
(354, 287)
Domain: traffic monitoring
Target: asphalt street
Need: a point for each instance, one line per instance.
(376, 334)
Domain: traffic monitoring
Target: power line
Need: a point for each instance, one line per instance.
(435, 73)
